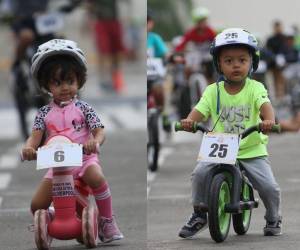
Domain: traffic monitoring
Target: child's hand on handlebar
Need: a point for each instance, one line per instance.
(28, 153)
(266, 126)
(187, 124)
(92, 146)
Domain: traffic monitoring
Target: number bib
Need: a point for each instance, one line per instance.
(155, 67)
(219, 148)
(49, 23)
(59, 155)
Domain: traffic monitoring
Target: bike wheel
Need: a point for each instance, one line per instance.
(153, 144)
(219, 220)
(90, 226)
(197, 83)
(41, 236)
(241, 221)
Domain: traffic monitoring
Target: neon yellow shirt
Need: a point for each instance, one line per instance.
(238, 112)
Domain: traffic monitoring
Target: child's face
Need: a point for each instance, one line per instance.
(63, 89)
(235, 63)
(150, 25)
(202, 24)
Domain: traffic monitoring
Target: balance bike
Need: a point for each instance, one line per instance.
(227, 189)
(74, 216)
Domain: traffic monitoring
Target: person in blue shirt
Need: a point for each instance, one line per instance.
(157, 48)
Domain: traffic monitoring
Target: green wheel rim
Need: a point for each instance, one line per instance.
(246, 197)
(224, 198)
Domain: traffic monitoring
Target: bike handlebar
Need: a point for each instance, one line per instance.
(198, 126)
(195, 128)
(83, 151)
(275, 128)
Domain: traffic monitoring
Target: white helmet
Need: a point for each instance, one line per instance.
(235, 36)
(56, 47)
(199, 14)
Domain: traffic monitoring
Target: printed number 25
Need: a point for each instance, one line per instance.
(222, 150)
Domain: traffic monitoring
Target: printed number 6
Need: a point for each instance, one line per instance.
(59, 156)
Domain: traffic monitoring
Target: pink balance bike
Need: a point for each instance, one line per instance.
(74, 216)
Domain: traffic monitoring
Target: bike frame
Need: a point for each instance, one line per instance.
(235, 205)
(66, 224)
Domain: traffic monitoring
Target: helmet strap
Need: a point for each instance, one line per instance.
(65, 103)
(251, 66)
(221, 78)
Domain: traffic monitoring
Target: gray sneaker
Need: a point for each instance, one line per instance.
(195, 224)
(272, 228)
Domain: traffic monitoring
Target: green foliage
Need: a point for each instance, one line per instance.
(167, 23)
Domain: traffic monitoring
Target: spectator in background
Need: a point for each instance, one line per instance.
(23, 25)
(277, 45)
(157, 48)
(108, 33)
(292, 76)
(201, 34)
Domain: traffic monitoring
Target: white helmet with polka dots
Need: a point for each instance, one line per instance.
(56, 47)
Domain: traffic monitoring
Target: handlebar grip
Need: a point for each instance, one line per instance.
(178, 126)
(276, 128)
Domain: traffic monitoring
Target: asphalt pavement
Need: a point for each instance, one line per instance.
(124, 116)
(169, 202)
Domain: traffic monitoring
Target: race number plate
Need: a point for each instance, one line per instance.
(219, 148)
(59, 155)
(49, 23)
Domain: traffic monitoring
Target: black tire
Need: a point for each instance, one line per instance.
(216, 229)
(241, 221)
(184, 102)
(153, 143)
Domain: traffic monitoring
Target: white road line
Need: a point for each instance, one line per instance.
(184, 137)
(169, 197)
(150, 178)
(107, 121)
(164, 152)
(11, 158)
(15, 210)
(8, 124)
(294, 180)
(5, 179)
(130, 118)
(126, 116)
(9, 161)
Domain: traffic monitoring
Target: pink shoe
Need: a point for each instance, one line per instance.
(108, 230)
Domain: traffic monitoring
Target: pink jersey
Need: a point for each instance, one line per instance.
(75, 120)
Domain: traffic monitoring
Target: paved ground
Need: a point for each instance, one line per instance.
(125, 167)
(169, 199)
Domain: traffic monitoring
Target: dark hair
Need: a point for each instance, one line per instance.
(66, 65)
(150, 15)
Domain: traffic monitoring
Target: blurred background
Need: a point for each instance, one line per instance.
(186, 29)
(112, 36)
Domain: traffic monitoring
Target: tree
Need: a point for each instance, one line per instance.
(171, 16)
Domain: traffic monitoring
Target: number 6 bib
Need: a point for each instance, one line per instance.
(59, 155)
(219, 148)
